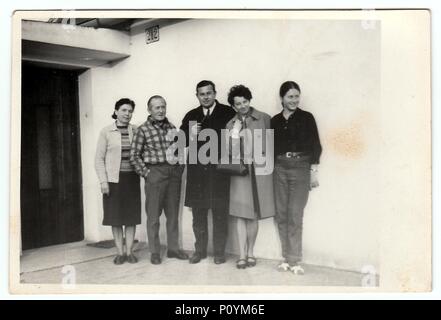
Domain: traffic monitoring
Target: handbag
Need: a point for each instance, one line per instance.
(233, 169)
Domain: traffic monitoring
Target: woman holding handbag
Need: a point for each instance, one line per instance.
(251, 195)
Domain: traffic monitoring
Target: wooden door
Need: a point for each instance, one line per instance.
(51, 196)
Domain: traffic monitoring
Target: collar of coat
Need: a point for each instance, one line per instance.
(215, 109)
(253, 113)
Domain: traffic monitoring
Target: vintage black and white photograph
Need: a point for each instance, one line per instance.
(220, 151)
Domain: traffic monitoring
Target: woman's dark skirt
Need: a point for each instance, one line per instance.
(122, 207)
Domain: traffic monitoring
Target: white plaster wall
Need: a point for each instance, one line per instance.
(336, 63)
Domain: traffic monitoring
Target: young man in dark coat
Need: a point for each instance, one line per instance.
(206, 187)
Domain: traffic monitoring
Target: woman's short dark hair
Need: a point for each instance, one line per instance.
(239, 91)
(121, 102)
(286, 86)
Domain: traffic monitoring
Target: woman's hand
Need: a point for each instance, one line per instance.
(237, 126)
(195, 129)
(105, 188)
(314, 177)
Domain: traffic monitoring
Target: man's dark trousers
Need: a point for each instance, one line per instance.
(220, 230)
(162, 191)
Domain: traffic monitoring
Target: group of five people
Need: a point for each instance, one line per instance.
(125, 153)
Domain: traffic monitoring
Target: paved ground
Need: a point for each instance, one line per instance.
(94, 266)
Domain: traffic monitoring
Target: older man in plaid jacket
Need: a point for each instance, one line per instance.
(150, 155)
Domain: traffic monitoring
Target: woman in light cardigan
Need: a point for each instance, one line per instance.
(119, 182)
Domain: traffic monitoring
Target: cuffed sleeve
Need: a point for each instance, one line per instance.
(316, 146)
(136, 153)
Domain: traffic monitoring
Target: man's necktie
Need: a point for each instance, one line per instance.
(207, 115)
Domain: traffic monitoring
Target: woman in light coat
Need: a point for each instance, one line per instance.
(251, 196)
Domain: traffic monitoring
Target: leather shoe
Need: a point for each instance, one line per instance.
(119, 259)
(197, 257)
(181, 255)
(155, 258)
(131, 258)
(219, 259)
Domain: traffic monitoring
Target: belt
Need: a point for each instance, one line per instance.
(161, 164)
(291, 154)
